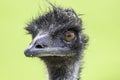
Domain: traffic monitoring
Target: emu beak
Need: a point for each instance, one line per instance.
(39, 48)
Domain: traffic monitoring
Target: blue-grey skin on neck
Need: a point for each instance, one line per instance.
(62, 58)
(64, 71)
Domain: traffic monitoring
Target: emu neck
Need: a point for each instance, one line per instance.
(60, 68)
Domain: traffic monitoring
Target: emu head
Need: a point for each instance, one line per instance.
(57, 33)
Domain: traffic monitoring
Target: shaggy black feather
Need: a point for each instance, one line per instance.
(55, 20)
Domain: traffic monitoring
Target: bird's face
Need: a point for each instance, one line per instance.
(60, 43)
(57, 33)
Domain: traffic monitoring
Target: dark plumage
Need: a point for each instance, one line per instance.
(59, 41)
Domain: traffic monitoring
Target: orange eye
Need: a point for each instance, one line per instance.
(69, 35)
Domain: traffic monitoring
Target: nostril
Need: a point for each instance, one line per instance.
(38, 46)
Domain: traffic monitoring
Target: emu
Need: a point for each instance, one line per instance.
(58, 40)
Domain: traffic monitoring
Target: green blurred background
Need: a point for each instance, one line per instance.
(102, 23)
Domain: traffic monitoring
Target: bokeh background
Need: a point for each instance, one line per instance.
(101, 22)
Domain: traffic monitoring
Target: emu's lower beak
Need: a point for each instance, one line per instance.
(46, 52)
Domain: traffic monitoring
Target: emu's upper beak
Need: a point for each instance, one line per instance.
(40, 46)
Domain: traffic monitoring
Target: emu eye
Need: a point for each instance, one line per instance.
(69, 35)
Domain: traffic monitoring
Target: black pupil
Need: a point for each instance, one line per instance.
(69, 35)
